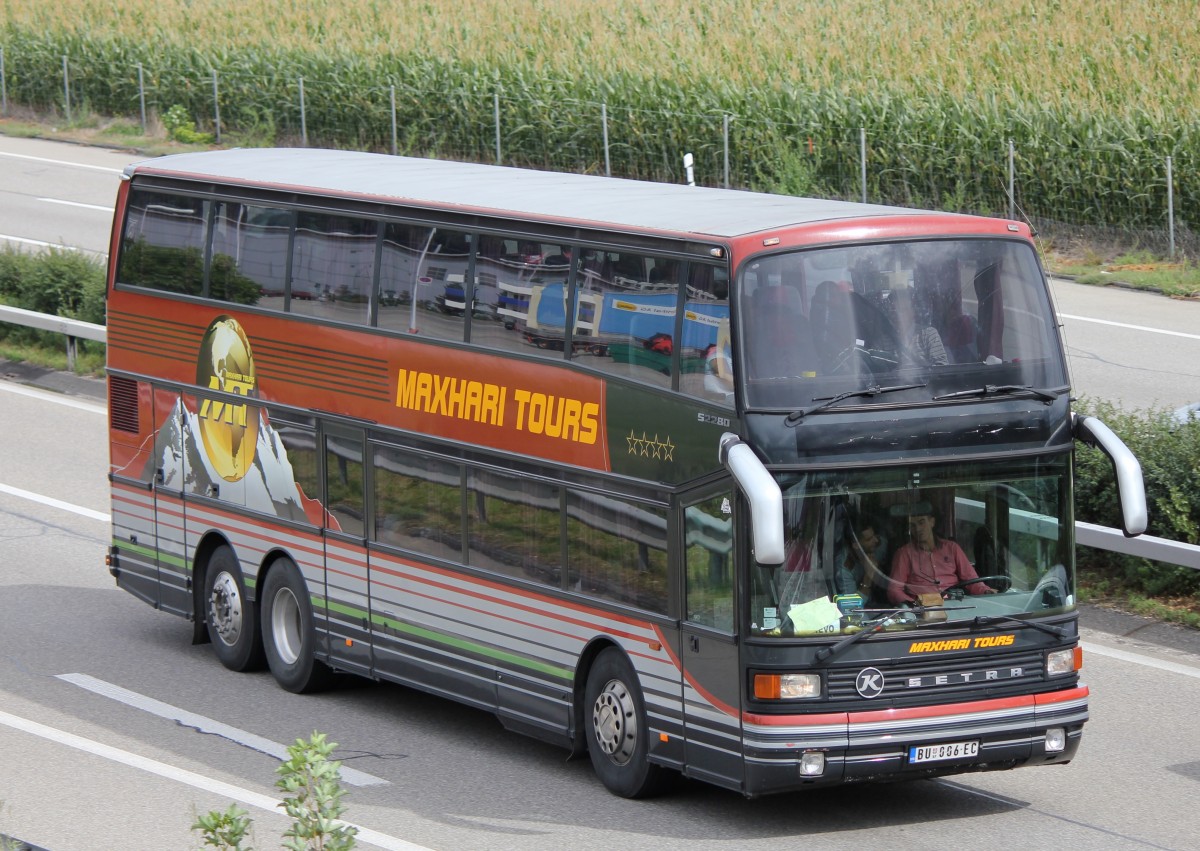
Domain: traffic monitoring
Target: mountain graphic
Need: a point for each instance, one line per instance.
(269, 487)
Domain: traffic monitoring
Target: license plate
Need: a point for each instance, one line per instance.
(949, 750)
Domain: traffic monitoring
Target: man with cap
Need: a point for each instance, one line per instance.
(928, 564)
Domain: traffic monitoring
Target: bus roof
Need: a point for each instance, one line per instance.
(498, 190)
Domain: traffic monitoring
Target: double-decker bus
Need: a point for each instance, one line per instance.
(767, 491)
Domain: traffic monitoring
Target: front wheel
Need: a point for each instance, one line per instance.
(288, 636)
(617, 736)
(230, 616)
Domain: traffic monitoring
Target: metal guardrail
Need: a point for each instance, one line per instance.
(73, 329)
(1086, 534)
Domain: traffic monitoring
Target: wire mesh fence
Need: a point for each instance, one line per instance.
(1113, 188)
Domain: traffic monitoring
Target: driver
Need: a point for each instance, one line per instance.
(929, 564)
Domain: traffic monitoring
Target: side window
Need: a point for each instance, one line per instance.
(440, 290)
(298, 441)
(511, 276)
(418, 503)
(249, 254)
(617, 550)
(333, 265)
(514, 526)
(344, 484)
(625, 314)
(707, 352)
(163, 242)
(708, 544)
(402, 255)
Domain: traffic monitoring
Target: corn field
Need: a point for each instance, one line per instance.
(1095, 96)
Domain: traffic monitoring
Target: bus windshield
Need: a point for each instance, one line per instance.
(908, 547)
(947, 315)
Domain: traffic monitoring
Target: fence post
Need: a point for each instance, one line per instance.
(3, 86)
(725, 134)
(496, 110)
(1012, 180)
(216, 107)
(303, 117)
(862, 157)
(1170, 210)
(392, 100)
(66, 90)
(604, 124)
(142, 97)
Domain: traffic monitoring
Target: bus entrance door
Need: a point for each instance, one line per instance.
(347, 571)
(708, 652)
(171, 459)
(712, 707)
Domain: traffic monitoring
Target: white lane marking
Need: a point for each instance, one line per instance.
(39, 243)
(54, 503)
(108, 169)
(102, 209)
(190, 778)
(1130, 327)
(1138, 659)
(203, 724)
(56, 398)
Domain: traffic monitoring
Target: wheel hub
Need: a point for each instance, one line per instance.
(225, 609)
(614, 718)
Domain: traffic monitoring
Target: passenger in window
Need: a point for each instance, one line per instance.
(921, 341)
(863, 550)
(928, 563)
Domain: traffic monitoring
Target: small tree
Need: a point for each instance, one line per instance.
(312, 784)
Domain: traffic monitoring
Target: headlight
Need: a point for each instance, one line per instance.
(1066, 661)
(787, 686)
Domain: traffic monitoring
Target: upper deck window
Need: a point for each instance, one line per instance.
(163, 243)
(947, 314)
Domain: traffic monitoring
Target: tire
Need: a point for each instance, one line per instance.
(617, 735)
(229, 615)
(289, 639)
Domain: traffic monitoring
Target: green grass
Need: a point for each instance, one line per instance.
(1142, 270)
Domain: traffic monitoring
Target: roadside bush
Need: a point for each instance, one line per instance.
(1169, 452)
(59, 282)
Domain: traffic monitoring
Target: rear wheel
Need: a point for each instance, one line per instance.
(230, 616)
(288, 636)
(617, 736)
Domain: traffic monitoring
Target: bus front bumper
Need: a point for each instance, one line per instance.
(926, 741)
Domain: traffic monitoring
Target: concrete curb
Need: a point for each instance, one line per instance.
(45, 378)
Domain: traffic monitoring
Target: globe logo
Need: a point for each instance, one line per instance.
(229, 429)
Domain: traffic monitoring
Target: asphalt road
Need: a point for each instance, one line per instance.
(115, 731)
(1135, 349)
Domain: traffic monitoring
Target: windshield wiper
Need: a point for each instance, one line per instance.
(988, 620)
(1046, 395)
(829, 401)
(877, 625)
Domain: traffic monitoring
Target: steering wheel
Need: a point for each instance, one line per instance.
(1005, 579)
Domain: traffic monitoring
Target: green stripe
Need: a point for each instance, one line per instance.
(457, 642)
(152, 553)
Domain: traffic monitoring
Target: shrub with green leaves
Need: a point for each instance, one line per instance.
(313, 786)
(1169, 452)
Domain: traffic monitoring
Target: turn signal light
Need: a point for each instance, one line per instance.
(787, 686)
(1065, 661)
